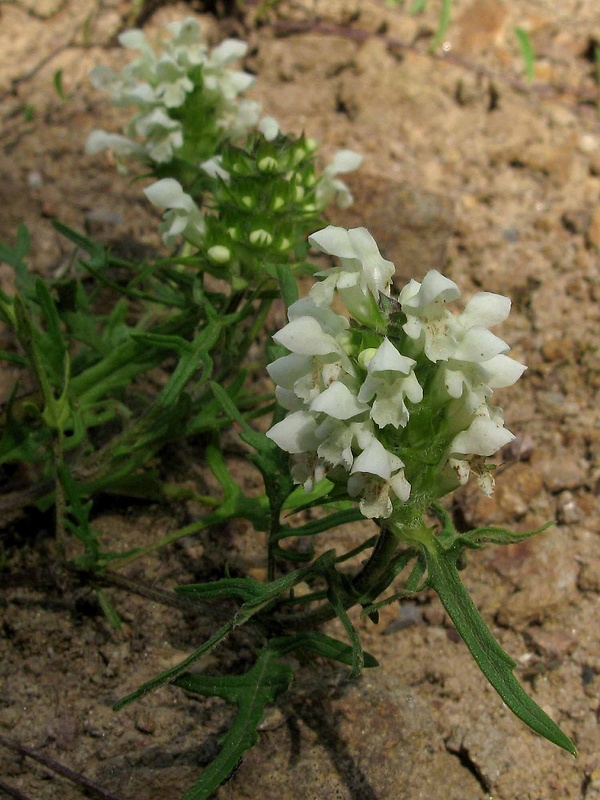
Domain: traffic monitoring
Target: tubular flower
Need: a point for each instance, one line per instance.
(182, 215)
(392, 401)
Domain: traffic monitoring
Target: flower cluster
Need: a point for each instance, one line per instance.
(210, 149)
(188, 97)
(393, 403)
(268, 194)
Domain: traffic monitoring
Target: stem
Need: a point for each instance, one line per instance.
(368, 578)
(59, 499)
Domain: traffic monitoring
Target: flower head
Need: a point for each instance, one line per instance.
(394, 401)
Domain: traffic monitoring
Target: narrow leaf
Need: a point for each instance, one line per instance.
(287, 284)
(443, 23)
(527, 53)
(58, 84)
(496, 665)
(251, 692)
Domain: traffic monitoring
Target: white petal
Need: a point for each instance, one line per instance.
(376, 460)
(344, 161)
(462, 469)
(269, 127)
(288, 399)
(400, 486)
(168, 193)
(435, 288)
(102, 140)
(487, 309)
(229, 50)
(387, 358)
(287, 370)
(338, 402)
(333, 240)
(483, 437)
(504, 371)
(304, 335)
(213, 167)
(295, 433)
(134, 40)
(306, 307)
(478, 345)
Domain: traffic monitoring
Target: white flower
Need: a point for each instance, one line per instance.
(213, 167)
(485, 435)
(99, 140)
(308, 469)
(269, 127)
(375, 474)
(218, 78)
(339, 439)
(241, 118)
(475, 382)
(185, 46)
(330, 187)
(295, 433)
(303, 376)
(182, 217)
(173, 84)
(339, 402)
(477, 466)
(390, 380)
(428, 321)
(135, 39)
(361, 276)
(163, 135)
(304, 335)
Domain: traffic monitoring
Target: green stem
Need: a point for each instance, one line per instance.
(370, 576)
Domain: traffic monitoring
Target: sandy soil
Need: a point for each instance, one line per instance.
(467, 169)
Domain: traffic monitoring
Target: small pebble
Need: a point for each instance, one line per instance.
(35, 180)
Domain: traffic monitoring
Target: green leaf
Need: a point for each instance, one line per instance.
(58, 84)
(496, 665)
(493, 535)
(244, 589)
(335, 584)
(527, 53)
(270, 459)
(15, 257)
(250, 692)
(265, 594)
(196, 355)
(443, 23)
(320, 525)
(89, 245)
(110, 612)
(321, 645)
(52, 344)
(287, 284)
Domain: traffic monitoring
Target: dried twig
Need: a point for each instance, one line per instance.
(93, 788)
